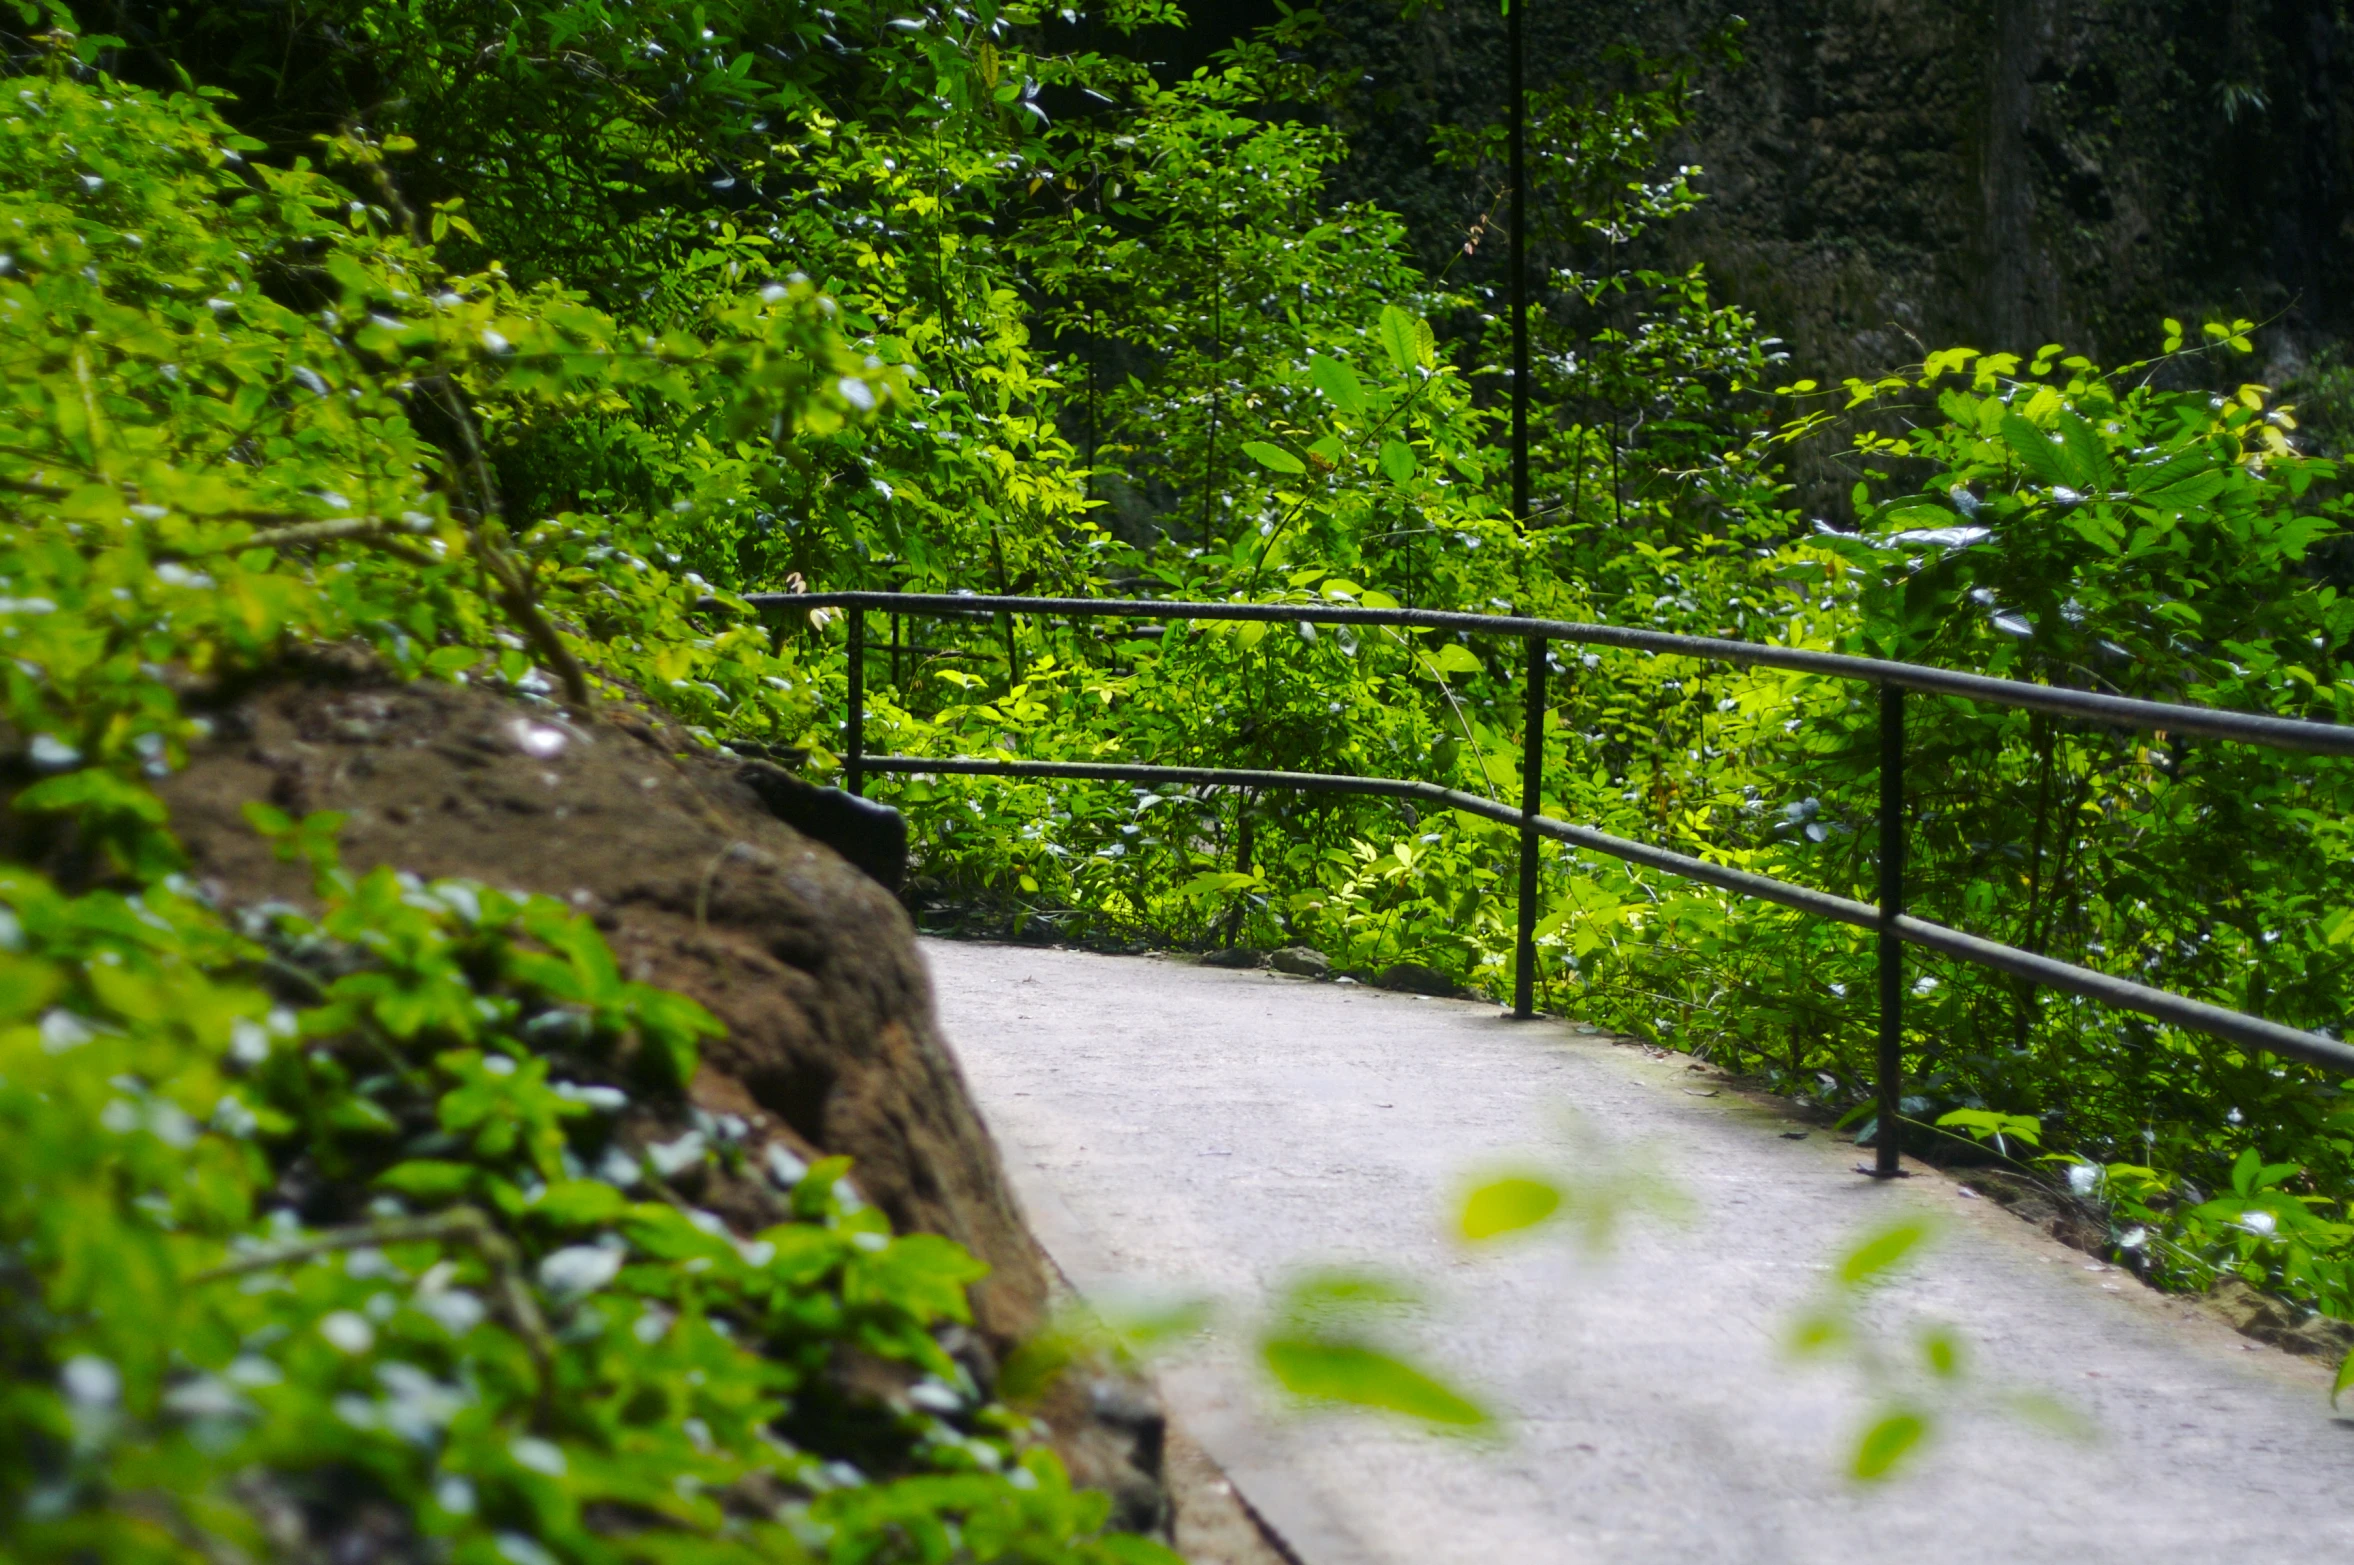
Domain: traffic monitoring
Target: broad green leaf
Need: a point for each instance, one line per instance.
(1920, 515)
(95, 789)
(1273, 457)
(1338, 382)
(1399, 339)
(1880, 1251)
(1887, 1442)
(1985, 1124)
(2036, 450)
(1397, 461)
(428, 1179)
(1355, 1375)
(579, 1203)
(1507, 1205)
(2089, 467)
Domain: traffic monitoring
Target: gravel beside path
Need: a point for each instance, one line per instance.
(1177, 1128)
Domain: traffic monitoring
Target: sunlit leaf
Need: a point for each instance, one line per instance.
(1274, 458)
(1338, 383)
(1507, 1205)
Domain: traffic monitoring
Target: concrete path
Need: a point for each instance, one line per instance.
(1185, 1130)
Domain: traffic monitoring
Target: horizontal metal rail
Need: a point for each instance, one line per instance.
(2280, 733)
(1888, 919)
(2176, 1010)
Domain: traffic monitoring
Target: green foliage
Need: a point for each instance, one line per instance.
(333, 1218)
(1917, 1388)
(1986, 1125)
(1320, 1346)
(489, 1310)
(513, 342)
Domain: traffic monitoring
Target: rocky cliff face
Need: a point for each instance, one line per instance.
(1889, 174)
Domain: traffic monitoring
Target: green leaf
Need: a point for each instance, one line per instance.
(1400, 339)
(2189, 493)
(1320, 1293)
(2037, 451)
(1508, 1205)
(922, 1273)
(1274, 457)
(1886, 1443)
(579, 1203)
(25, 986)
(1985, 1124)
(266, 819)
(1917, 514)
(1397, 461)
(427, 1179)
(1453, 657)
(94, 789)
(1338, 382)
(445, 661)
(2087, 459)
(2345, 1379)
(1880, 1251)
(1354, 1375)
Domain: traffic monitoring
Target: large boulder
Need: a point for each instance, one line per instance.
(677, 851)
(831, 1047)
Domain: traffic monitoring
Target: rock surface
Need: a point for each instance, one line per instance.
(831, 1045)
(1302, 961)
(676, 851)
(1414, 978)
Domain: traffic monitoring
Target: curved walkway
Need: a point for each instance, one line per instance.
(1180, 1129)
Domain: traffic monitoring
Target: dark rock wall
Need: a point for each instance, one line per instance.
(1888, 175)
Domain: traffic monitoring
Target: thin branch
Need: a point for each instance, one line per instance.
(513, 589)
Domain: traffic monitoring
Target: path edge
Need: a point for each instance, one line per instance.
(1297, 1521)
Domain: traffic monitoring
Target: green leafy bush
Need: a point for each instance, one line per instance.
(315, 1226)
(327, 1225)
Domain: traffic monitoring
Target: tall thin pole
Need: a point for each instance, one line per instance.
(1888, 1138)
(1532, 800)
(854, 730)
(1517, 173)
(1532, 764)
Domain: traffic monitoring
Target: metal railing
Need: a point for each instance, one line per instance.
(1887, 917)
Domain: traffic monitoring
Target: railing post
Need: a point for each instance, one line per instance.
(1888, 1139)
(855, 742)
(1532, 791)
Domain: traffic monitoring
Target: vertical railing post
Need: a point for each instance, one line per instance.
(1532, 791)
(1888, 1138)
(853, 764)
(1516, 173)
(1532, 761)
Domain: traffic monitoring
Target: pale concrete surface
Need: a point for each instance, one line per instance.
(1179, 1129)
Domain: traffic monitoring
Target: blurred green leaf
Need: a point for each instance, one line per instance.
(1508, 1205)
